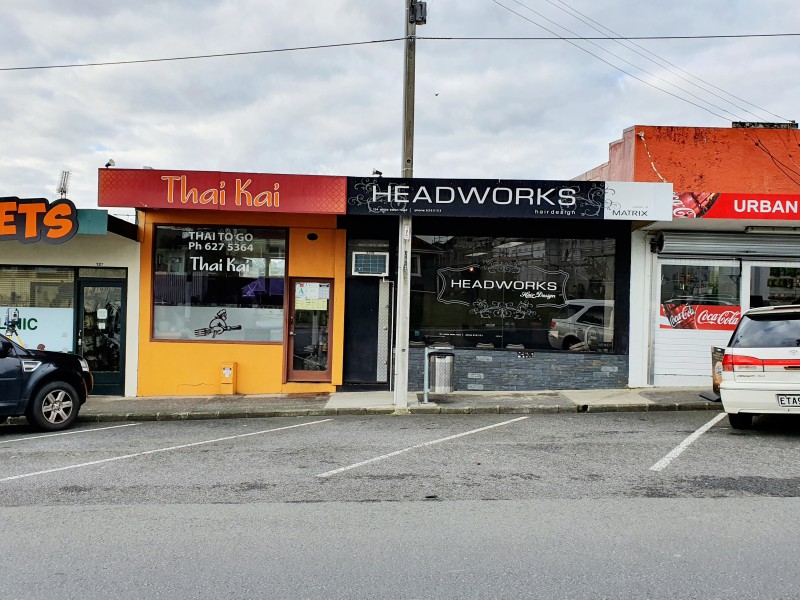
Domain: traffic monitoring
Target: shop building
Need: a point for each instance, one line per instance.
(528, 281)
(68, 283)
(260, 283)
(732, 243)
(242, 280)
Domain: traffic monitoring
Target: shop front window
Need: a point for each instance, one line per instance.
(774, 286)
(518, 293)
(37, 306)
(697, 296)
(218, 283)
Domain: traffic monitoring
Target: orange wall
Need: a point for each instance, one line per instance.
(193, 368)
(709, 159)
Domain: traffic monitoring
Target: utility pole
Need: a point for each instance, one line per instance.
(416, 14)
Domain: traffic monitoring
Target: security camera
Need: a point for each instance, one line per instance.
(376, 172)
(110, 163)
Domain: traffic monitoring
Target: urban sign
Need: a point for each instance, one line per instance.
(712, 205)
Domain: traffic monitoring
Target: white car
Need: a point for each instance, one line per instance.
(584, 324)
(761, 365)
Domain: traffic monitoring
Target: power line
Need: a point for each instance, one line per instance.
(388, 40)
(662, 62)
(611, 64)
(199, 56)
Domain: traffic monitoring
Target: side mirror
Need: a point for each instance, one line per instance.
(5, 347)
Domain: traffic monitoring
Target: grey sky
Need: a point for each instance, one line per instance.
(485, 109)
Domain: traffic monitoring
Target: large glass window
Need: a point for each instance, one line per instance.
(512, 292)
(219, 283)
(36, 306)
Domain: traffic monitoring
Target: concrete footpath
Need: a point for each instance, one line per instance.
(114, 408)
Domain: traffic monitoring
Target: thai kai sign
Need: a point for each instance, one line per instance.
(29, 220)
(506, 198)
(520, 289)
(213, 190)
(710, 205)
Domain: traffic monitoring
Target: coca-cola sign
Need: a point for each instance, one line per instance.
(699, 316)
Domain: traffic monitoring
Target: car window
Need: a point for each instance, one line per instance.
(767, 331)
(594, 316)
(569, 310)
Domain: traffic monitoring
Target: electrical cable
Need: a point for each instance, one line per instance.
(613, 65)
(661, 61)
(617, 56)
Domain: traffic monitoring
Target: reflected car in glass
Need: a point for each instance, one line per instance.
(583, 324)
(47, 388)
(761, 365)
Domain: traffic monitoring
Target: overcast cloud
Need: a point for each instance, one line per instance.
(484, 109)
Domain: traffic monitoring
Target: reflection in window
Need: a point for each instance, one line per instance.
(218, 283)
(497, 292)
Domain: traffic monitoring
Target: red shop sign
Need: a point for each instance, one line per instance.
(214, 190)
(711, 205)
(699, 316)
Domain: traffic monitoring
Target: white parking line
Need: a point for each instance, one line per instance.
(147, 452)
(686, 443)
(47, 435)
(431, 443)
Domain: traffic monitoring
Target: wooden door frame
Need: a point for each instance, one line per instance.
(290, 374)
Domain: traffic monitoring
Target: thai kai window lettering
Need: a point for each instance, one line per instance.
(179, 190)
(498, 292)
(35, 219)
(219, 284)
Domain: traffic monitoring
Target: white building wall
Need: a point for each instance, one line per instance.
(108, 250)
(641, 313)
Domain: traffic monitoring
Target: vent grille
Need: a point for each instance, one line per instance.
(375, 264)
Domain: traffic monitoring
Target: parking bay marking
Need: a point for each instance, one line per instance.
(48, 435)
(675, 452)
(424, 444)
(147, 452)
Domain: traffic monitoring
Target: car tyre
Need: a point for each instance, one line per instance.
(740, 420)
(55, 407)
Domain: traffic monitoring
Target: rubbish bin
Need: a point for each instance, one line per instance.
(441, 367)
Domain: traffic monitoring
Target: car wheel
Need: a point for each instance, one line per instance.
(740, 420)
(54, 407)
(574, 344)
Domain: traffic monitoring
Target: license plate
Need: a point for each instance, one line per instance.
(789, 400)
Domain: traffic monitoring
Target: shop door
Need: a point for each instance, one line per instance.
(101, 333)
(770, 283)
(308, 347)
(367, 330)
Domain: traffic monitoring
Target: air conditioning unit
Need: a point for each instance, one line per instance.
(374, 264)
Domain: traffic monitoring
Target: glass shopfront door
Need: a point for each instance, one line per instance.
(101, 328)
(309, 323)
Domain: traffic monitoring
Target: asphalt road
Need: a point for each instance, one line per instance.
(607, 505)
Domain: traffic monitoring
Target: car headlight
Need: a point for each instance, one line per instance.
(84, 364)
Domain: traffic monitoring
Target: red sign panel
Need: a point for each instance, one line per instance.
(214, 190)
(699, 316)
(707, 205)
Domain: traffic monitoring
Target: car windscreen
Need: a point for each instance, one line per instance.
(565, 312)
(767, 331)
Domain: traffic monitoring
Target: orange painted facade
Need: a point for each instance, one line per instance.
(706, 159)
(193, 367)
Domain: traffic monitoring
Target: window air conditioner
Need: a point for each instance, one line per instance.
(375, 264)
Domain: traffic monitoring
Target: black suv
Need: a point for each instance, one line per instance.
(48, 388)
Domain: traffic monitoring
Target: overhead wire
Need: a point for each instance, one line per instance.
(398, 39)
(659, 78)
(629, 74)
(660, 61)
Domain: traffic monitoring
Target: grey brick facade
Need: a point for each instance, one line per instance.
(509, 370)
